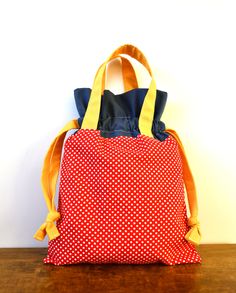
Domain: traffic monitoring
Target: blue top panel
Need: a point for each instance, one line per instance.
(119, 113)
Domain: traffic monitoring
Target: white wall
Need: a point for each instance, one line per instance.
(49, 48)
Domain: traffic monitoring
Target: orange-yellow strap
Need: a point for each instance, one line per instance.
(194, 234)
(48, 182)
(134, 52)
(128, 73)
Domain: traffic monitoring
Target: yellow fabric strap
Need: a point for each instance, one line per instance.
(128, 73)
(48, 182)
(91, 117)
(194, 234)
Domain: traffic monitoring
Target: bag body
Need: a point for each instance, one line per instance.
(122, 181)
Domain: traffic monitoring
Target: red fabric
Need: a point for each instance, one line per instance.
(121, 200)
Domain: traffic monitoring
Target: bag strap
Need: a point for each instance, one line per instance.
(145, 121)
(128, 73)
(49, 177)
(194, 234)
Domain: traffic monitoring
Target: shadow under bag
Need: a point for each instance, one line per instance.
(123, 177)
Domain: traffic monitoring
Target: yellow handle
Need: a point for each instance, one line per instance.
(48, 182)
(128, 73)
(90, 120)
(194, 234)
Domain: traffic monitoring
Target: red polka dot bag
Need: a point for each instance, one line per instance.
(122, 179)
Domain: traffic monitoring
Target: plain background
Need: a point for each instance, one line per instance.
(49, 48)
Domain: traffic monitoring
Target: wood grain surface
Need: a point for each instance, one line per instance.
(22, 270)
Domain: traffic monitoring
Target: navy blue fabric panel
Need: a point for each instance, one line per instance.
(118, 126)
(158, 130)
(127, 104)
(119, 113)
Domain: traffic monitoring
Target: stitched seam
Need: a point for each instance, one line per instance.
(110, 117)
(117, 130)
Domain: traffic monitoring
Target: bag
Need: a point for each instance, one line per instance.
(122, 179)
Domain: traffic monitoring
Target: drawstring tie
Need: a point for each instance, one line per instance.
(194, 235)
(48, 227)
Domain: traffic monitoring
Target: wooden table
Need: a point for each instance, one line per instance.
(22, 270)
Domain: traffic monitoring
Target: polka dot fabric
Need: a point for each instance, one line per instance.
(121, 200)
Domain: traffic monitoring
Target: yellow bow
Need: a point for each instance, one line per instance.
(48, 227)
(194, 234)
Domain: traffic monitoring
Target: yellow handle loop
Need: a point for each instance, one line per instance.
(128, 73)
(194, 234)
(90, 120)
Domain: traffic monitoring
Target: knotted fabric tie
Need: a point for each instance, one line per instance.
(194, 235)
(48, 227)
